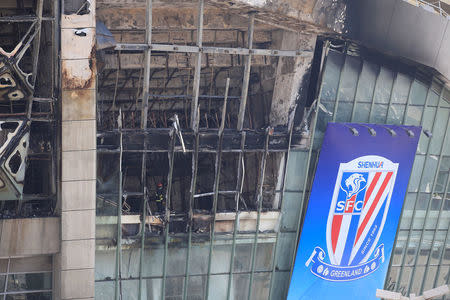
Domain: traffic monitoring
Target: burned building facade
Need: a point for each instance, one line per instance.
(157, 149)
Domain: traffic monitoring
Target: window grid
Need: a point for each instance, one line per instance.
(410, 276)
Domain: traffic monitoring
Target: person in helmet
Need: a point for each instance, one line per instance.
(160, 197)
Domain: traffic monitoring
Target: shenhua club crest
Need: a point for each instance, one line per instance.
(356, 218)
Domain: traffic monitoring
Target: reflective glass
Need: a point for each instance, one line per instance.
(439, 131)
(152, 288)
(344, 112)
(331, 76)
(416, 173)
(242, 258)
(30, 296)
(438, 246)
(417, 280)
(260, 287)
(176, 257)
(349, 79)
(429, 172)
(427, 125)
(378, 114)
(418, 93)
(2, 282)
(384, 86)
(104, 268)
(442, 276)
(429, 279)
(174, 287)
(196, 287)
(401, 89)
(240, 286)
(367, 82)
(414, 115)
(218, 286)
(130, 289)
(361, 112)
(30, 282)
(395, 114)
(221, 256)
(104, 290)
(403, 284)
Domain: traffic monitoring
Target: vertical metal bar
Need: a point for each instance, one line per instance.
(403, 208)
(56, 42)
(434, 239)
(188, 257)
(141, 254)
(218, 164)
(248, 66)
(6, 278)
(166, 245)
(283, 187)
(308, 162)
(37, 39)
(236, 217)
(190, 211)
(436, 175)
(336, 99)
(147, 60)
(36, 49)
(262, 173)
(144, 215)
(373, 94)
(171, 156)
(400, 274)
(390, 96)
(119, 216)
(198, 68)
(144, 114)
(356, 90)
(408, 100)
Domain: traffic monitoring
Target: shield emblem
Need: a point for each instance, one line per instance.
(358, 210)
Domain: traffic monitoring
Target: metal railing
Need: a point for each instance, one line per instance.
(437, 7)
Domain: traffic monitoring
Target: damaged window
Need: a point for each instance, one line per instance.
(28, 63)
(193, 140)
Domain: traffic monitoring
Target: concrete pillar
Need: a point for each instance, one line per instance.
(78, 157)
(291, 75)
(291, 81)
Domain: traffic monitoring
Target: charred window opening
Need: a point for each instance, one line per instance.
(6, 81)
(78, 7)
(200, 121)
(15, 162)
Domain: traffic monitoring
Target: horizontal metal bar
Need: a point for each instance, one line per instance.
(45, 100)
(201, 150)
(16, 19)
(30, 272)
(212, 50)
(25, 292)
(212, 193)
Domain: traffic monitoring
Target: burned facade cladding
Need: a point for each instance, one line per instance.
(166, 149)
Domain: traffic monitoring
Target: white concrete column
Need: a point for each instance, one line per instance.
(291, 73)
(78, 158)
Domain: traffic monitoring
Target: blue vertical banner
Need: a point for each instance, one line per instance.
(353, 211)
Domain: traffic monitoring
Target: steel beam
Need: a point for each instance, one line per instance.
(248, 66)
(147, 60)
(262, 172)
(211, 50)
(198, 68)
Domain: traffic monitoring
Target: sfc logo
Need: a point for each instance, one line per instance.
(356, 218)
